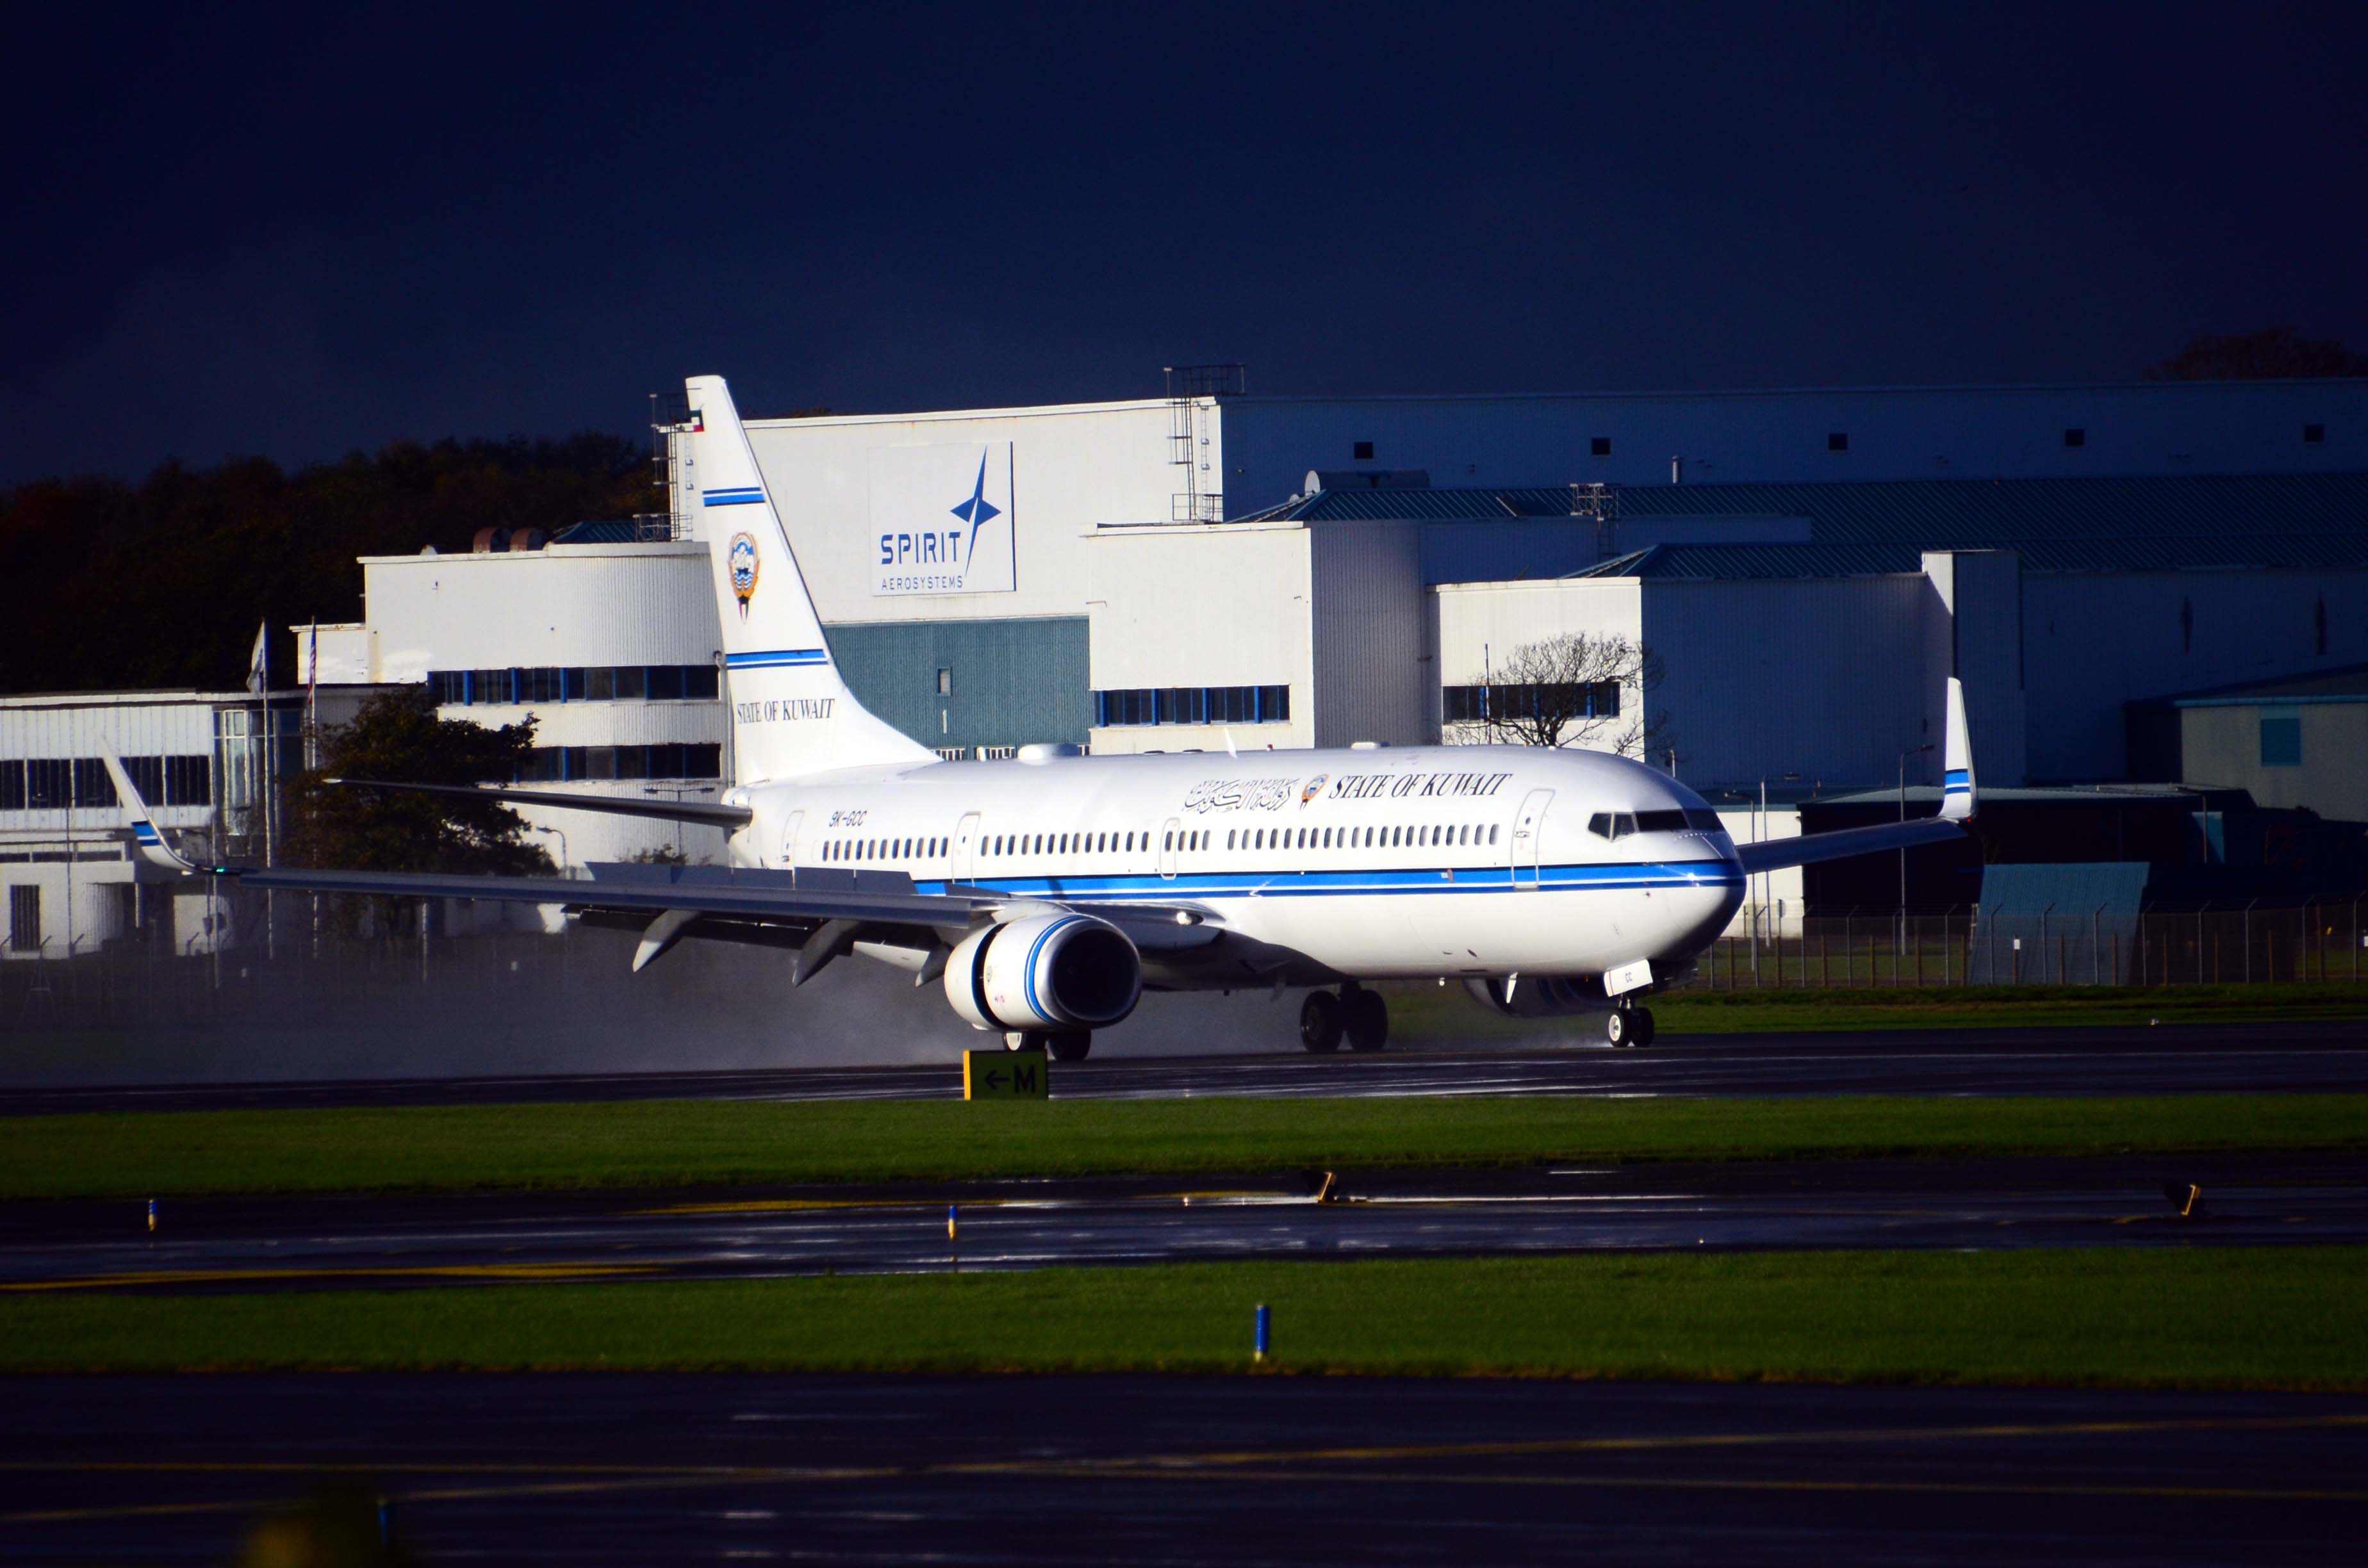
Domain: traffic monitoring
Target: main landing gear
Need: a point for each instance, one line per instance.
(1066, 1045)
(1356, 1015)
(1629, 1028)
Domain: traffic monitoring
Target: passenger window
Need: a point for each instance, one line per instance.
(1492, 834)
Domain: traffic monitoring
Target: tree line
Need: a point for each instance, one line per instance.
(161, 584)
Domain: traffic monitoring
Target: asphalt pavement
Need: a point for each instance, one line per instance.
(311, 1244)
(1180, 1471)
(2171, 1058)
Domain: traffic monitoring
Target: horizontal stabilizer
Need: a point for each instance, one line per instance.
(726, 817)
(1776, 853)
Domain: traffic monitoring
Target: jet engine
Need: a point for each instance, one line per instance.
(1048, 971)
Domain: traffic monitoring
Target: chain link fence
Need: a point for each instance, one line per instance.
(523, 981)
(2253, 942)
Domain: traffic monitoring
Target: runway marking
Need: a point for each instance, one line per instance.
(789, 1205)
(439, 1270)
(1763, 1439)
(593, 1478)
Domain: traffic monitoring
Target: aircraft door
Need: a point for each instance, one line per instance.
(965, 847)
(1528, 825)
(790, 829)
(1170, 832)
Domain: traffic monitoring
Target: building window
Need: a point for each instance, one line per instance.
(1192, 705)
(555, 765)
(2314, 434)
(189, 780)
(1838, 441)
(48, 783)
(1477, 704)
(1600, 446)
(12, 785)
(2075, 437)
(945, 683)
(577, 682)
(25, 920)
(2281, 740)
(1364, 450)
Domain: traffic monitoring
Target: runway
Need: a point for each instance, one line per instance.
(312, 1243)
(1181, 1470)
(2174, 1059)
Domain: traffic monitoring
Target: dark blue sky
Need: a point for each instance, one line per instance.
(301, 234)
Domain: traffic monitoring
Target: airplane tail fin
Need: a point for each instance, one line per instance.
(144, 834)
(790, 711)
(1956, 760)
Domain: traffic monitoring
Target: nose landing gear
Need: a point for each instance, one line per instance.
(1359, 1015)
(1628, 1027)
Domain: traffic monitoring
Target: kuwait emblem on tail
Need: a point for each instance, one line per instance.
(742, 560)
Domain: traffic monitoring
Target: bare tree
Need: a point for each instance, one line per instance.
(1575, 688)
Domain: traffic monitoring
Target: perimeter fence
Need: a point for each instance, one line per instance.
(2230, 943)
(524, 978)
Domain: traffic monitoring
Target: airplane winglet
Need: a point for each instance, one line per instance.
(144, 834)
(1956, 760)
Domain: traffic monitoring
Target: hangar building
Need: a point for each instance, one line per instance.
(1167, 573)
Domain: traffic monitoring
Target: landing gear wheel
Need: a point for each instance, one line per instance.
(1619, 1028)
(1641, 1027)
(1320, 1023)
(1071, 1046)
(1026, 1039)
(1366, 1018)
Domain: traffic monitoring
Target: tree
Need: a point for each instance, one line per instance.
(161, 583)
(2275, 353)
(397, 736)
(1576, 688)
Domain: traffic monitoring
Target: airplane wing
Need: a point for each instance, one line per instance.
(1957, 801)
(820, 911)
(1776, 853)
(726, 817)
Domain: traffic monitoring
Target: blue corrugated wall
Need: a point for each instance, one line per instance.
(1014, 681)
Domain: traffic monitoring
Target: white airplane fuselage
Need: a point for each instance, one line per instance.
(1368, 863)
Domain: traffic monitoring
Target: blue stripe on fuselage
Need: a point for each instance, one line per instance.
(1368, 883)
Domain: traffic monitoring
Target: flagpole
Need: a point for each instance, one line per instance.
(271, 932)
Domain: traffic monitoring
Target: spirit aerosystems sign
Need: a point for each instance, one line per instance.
(941, 520)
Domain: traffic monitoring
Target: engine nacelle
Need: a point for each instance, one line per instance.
(1540, 996)
(1048, 971)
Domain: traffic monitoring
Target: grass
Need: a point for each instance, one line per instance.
(2257, 1317)
(669, 1143)
(1430, 1012)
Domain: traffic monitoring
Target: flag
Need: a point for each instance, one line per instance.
(258, 663)
(312, 660)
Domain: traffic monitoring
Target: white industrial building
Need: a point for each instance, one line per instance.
(1215, 569)
(71, 884)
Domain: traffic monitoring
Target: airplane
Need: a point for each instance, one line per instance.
(1047, 893)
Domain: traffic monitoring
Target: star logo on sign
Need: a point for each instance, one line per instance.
(977, 510)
